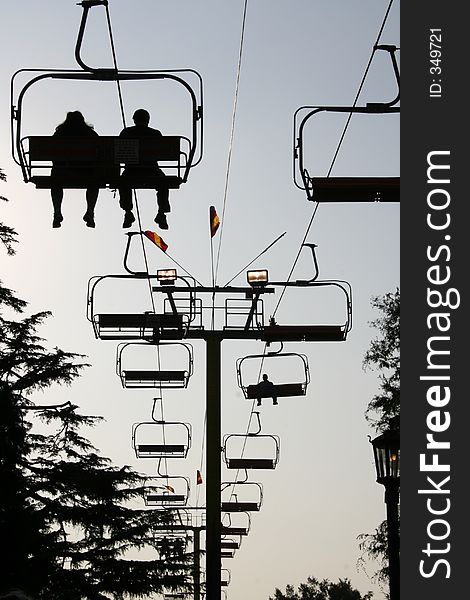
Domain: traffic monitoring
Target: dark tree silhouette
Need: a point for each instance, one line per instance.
(70, 525)
(384, 355)
(315, 589)
(383, 412)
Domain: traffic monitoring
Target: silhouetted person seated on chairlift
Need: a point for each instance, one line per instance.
(141, 128)
(266, 388)
(73, 126)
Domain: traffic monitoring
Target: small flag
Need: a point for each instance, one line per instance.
(214, 220)
(156, 239)
(170, 489)
(198, 477)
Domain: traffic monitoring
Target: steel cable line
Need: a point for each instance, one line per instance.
(384, 21)
(123, 118)
(232, 130)
(317, 204)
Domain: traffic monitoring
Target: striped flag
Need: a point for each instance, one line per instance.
(156, 239)
(213, 220)
(198, 477)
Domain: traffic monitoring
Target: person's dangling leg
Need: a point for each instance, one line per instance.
(91, 199)
(163, 204)
(125, 202)
(57, 195)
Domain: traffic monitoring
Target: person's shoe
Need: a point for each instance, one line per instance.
(275, 402)
(258, 403)
(89, 219)
(161, 221)
(128, 219)
(58, 218)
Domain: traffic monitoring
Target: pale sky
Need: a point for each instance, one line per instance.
(323, 493)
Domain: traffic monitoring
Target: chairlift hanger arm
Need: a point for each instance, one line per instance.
(86, 5)
(126, 254)
(391, 49)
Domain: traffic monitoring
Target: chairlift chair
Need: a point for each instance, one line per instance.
(229, 544)
(238, 524)
(241, 496)
(166, 491)
(345, 189)
(244, 462)
(35, 154)
(148, 325)
(252, 390)
(274, 332)
(155, 378)
(225, 577)
(161, 439)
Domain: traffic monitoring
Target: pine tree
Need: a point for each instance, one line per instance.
(383, 411)
(70, 523)
(315, 589)
(384, 355)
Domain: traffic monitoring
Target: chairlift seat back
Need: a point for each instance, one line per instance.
(81, 162)
(153, 378)
(138, 326)
(157, 450)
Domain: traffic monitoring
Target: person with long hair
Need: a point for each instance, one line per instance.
(74, 125)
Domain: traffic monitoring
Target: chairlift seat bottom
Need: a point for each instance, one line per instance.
(46, 182)
(160, 449)
(229, 544)
(304, 333)
(240, 506)
(283, 390)
(234, 530)
(165, 498)
(131, 378)
(251, 463)
(138, 326)
(356, 189)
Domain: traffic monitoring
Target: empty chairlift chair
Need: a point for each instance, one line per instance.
(225, 576)
(161, 439)
(236, 524)
(166, 491)
(241, 496)
(229, 544)
(125, 326)
(288, 365)
(337, 295)
(157, 355)
(261, 451)
(345, 189)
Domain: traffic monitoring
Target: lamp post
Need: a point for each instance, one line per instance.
(387, 463)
